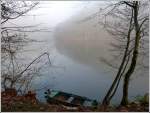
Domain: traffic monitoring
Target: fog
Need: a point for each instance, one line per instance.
(77, 46)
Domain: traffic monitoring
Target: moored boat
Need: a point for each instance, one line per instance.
(68, 99)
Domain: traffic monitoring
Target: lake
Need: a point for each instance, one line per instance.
(75, 50)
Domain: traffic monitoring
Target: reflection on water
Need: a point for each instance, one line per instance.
(78, 47)
(84, 74)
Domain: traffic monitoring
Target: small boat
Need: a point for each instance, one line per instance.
(67, 99)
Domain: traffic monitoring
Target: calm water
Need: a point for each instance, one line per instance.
(81, 72)
(75, 50)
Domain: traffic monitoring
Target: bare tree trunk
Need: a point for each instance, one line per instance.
(108, 96)
(107, 99)
(127, 79)
(133, 53)
(134, 57)
(125, 91)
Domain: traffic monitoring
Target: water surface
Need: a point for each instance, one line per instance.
(76, 49)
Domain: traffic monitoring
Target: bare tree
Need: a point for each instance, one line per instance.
(127, 22)
(126, 30)
(17, 74)
(138, 32)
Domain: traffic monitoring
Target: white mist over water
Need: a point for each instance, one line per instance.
(77, 47)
